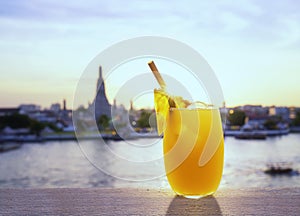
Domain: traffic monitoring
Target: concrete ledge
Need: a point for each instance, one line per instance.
(129, 201)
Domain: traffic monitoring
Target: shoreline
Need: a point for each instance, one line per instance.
(71, 137)
(4, 139)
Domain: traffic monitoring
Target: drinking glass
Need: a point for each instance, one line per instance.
(193, 147)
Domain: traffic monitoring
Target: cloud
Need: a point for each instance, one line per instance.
(268, 22)
(68, 10)
(229, 33)
(56, 10)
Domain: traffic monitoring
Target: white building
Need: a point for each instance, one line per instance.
(28, 108)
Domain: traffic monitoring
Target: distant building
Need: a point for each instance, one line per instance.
(101, 104)
(283, 112)
(46, 116)
(224, 111)
(55, 107)
(292, 113)
(255, 112)
(120, 115)
(64, 105)
(28, 108)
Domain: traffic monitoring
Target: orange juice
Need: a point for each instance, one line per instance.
(193, 150)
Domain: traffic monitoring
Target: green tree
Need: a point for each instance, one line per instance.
(22, 121)
(36, 127)
(143, 121)
(237, 117)
(296, 121)
(270, 124)
(103, 122)
(15, 121)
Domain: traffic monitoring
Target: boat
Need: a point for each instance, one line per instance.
(114, 137)
(251, 132)
(251, 135)
(231, 132)
(247, 132)
(280, 169)
(278, 132)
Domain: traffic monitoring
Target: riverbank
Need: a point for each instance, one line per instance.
(108, 136)
(259, 132)
(139, 201)
(71, 136)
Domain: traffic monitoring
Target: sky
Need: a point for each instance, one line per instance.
(252, 46)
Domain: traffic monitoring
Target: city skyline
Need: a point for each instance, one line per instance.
(253, 46)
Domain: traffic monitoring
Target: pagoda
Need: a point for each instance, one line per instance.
(102, 106)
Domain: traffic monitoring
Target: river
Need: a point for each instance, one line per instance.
(68, 164)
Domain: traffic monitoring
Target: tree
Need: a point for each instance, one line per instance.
(36, 127)
(296, 121)
(237, 117)
(103, 122)
(15, 121)
(143, 121)
(270, 124)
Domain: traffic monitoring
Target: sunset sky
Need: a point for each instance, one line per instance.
(253, 46)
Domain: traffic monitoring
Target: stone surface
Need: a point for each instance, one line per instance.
(130, 201)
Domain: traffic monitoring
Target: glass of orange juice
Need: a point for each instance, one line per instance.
(193, 146)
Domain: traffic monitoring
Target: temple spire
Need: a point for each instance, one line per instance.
(100, 73)
(102, 106)
(100, 82)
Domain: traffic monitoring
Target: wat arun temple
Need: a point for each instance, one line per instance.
(101, 104)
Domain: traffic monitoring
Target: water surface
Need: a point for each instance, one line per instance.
(63, 164)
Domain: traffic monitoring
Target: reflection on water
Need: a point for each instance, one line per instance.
(126, 160)
(62, 164)
(203, 206)
(51, 164)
